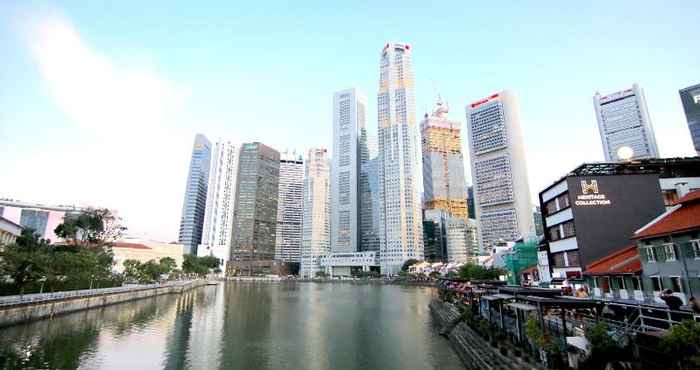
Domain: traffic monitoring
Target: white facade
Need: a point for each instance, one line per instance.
(289, 208)
(623, 121)
(400, 161)
(221, 198)
(501, 189)
(348, 123)
(316, 203)
(342, 264)
(458, 241)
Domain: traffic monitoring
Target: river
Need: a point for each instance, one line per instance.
(242, 325)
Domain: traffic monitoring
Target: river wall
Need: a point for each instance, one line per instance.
(475, 351)
(26, 312)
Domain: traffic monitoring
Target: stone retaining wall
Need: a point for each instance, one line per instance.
(22, 313)
(475, 351)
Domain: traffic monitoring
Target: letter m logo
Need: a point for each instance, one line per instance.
(591, 188)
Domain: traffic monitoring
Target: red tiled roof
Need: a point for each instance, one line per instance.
(529, 270)
(685, 217)
(624, 261)
(130, 245)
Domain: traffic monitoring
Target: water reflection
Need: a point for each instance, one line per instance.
(242, 326)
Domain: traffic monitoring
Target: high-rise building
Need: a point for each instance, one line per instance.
(221, 198)
(348, 186)
(315, 241)
(690, 97)
(501, 189)
(435, 235)
(195, 202)
(460, 241)
(400, 168)
(624, 124)
(289, 208)
(443, 164)
(471, 211)
(255, 215)
(372, 170)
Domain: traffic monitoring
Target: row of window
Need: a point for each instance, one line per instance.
(668, 252)
(561, 231)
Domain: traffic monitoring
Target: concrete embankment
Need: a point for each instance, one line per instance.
(32, 311)
(475, 351)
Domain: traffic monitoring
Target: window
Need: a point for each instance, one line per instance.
(696, 247)
(651, 254)
(669, 252)
(604, 284)
(619, 282)
(554, 233)
(559, 260)
(550, 207)
(676, 284)
(670, 197)
(635, 283)
(569, 230)
(656, 284)
(563, 201)
(572, 257)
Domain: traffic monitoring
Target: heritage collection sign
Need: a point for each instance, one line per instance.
(591, 196)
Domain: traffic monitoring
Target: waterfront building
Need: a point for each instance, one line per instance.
(255, 215)
(195, 200)
(617, 275)
(400, 168)
(349, 264)
(669, 247)
(316, 213)
(144, 250)
(289, 208)
(435, 235)
(501, 190)
(690, 97)
(9, 231)
(40, 218)
(594, 210)
(221, 198)
(443, 163)
(459, 241)
(624, 125)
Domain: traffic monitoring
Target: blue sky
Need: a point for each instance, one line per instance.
(100, 101)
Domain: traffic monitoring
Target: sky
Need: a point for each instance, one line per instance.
(100, 100)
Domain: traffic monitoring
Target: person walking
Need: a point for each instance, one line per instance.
(674, 303)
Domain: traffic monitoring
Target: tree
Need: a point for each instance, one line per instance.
(91, 227)
(683, 341)
(26, 260)
(194, 265)
(476, 272)
(408, 263)
(150, 271)
(167, 264)
(132, 270)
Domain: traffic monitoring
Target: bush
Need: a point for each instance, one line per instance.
(683, 341)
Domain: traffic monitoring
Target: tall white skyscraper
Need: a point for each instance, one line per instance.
(289, 208)
(501, 189)
(400, 167)
(315, 241)
(221, 198)
(623, 122)
(348, 138)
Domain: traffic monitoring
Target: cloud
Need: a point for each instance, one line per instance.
(93, 91)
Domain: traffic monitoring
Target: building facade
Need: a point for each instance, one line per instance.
(400, 168)
(195, 200)
(145, 250)
(459, 241)
(690, 97)
(290, 208)
(9, 231)
(40, 218)
(623, 122)
(316, 228)
(348, 153)
(255, 215)
(443, 163)
(435, 235)
(593, 211)
(221, 199)
(500, 180)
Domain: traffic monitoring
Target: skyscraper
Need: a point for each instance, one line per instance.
(400, 169)
(255, 215)
(501, 189)
(289, 208)
(221, 198)
(349, 152)
(316, 221)
(194, 204)
(690, 97)
(443, 164)
(623, 122)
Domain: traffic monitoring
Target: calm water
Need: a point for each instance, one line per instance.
(242, 326)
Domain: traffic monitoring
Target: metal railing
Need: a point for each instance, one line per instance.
(12, 300)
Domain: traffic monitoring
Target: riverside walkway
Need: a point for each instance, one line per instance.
(35, 298)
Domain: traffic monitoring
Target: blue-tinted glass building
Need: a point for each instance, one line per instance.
(690, 97)
(194, 204)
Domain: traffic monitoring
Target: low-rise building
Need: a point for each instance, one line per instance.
(40, 218)
(345, 264)
(144, 251)
(616, 276)
(669, 247)
(9, 231)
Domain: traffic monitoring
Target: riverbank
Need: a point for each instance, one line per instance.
(475, 352)
(50, 305)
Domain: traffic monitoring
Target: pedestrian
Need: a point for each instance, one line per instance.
(694, 305)
(674, 303)
(581, 293)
